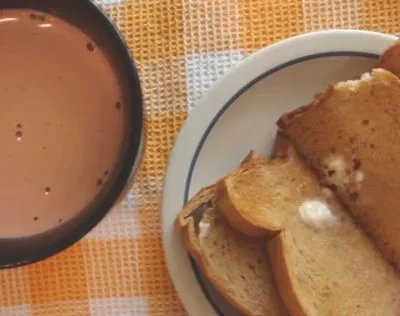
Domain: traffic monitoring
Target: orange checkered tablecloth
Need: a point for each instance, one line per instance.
(181, 47)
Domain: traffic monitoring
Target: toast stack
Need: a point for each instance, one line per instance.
(312, 231)
(323, 263)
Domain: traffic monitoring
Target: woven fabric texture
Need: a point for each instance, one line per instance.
(181, 47)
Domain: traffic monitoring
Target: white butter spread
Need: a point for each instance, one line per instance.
(204, 229)
(342, 174)
(316, 214)
(359, 176)
(336, 163)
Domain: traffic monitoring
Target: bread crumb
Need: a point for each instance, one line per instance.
(341, 176)
(316, 214)
(359, 176)
(336, 170)
(336, 163)
(354, 85)
(204, 229)
(366, 77)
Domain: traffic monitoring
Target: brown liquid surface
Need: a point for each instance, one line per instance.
(61, 122)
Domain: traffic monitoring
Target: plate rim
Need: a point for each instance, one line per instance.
(209, 109)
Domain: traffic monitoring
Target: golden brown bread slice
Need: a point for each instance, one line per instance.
(323, 264)
(350, 139)
(235, 264)
(390, 59)
(240, 191)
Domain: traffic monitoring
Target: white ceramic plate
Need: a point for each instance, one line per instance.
(239, 114)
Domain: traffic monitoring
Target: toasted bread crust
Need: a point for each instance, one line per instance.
(233, 214)
(282, 273)
(246, 188)
(192, 246)
(204, 196)
(186, 224)
(390, 59)
(288, 118)
(192, 241)
(227, 205)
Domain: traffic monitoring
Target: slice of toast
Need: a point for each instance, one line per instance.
(235, 264)
(322, 262)
(390, 59)
(349, 138)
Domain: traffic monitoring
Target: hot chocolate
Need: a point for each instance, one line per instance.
(62, 122)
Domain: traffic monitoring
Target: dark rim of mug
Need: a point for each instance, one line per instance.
(130, 161)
